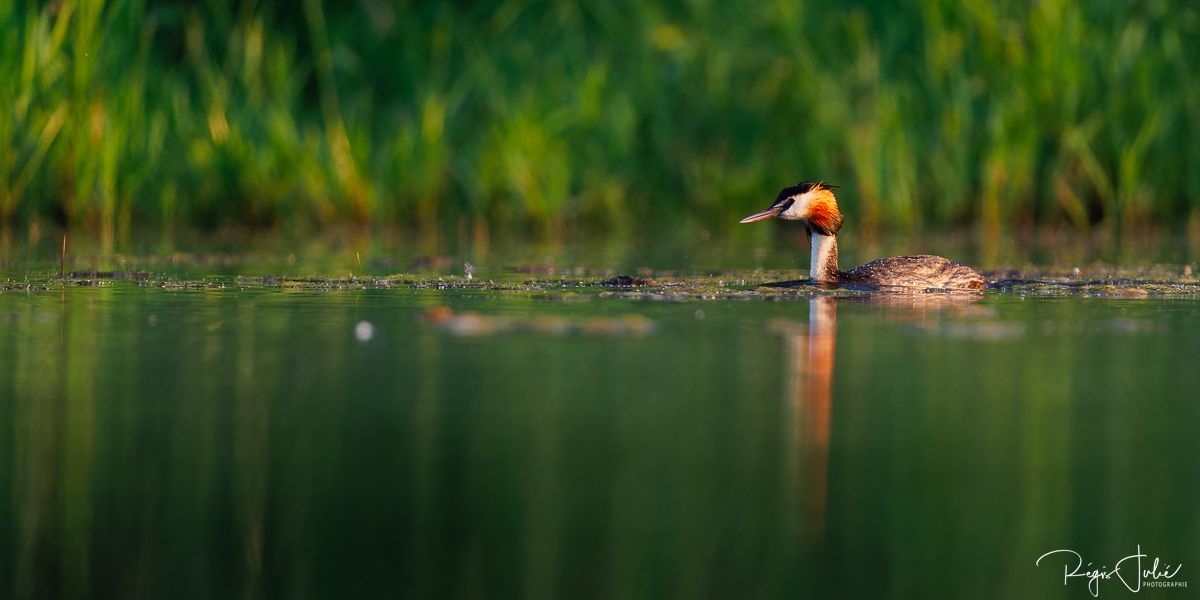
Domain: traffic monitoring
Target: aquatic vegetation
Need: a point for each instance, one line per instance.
(552, 117)
(1102, 282)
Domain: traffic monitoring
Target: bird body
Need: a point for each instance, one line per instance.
(816, 207)
(922, 270)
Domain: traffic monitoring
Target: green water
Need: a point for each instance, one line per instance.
(254, 440)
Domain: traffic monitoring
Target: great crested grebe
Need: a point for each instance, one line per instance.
(814, 205)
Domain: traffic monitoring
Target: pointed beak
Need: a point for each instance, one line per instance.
(770, 213)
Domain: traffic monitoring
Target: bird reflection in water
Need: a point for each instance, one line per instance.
(809, 358)
(810, 352)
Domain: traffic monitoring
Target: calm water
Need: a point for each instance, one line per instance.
(215, 443)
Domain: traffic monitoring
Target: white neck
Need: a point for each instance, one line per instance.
(822, 265)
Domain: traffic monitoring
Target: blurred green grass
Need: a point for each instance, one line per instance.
(603, 115)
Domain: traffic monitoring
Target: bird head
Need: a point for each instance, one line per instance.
(810, 202)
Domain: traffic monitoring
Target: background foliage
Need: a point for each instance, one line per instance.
(606, 114)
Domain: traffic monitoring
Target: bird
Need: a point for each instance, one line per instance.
(814, 205)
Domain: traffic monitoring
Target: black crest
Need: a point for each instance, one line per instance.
(798, 189)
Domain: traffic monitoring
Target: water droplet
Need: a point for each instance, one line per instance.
(364, 331)
(152, 320)
(699, 314)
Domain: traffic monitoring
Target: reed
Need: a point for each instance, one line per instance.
(120, 113)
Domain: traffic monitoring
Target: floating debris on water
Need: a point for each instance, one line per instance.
(113, 275)
(627, 281)
(7, 286)
(1108, 288)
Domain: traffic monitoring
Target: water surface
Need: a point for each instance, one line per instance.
(253, 437)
